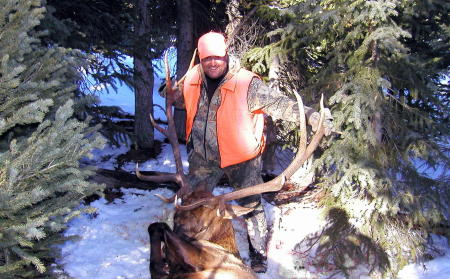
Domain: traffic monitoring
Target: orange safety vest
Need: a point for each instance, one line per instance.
(240, 133)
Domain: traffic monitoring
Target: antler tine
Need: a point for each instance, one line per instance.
(191, 65)
(171, 134)
(166, 67)
(159, 178)
(275, 184)
(292, 168)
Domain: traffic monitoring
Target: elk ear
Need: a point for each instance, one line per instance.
(233, 211)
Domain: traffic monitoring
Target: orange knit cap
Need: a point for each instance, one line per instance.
(211, 44)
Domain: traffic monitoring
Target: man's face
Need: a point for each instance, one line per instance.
(214, 66)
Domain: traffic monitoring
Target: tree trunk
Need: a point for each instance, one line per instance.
(185, 48)
(185, 36)
(143, 79)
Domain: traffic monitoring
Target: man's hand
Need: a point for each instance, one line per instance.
(314, 118)
(177, 96)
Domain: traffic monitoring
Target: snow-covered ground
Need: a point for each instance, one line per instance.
(113, 243)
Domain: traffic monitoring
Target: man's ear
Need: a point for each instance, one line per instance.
(233, 211)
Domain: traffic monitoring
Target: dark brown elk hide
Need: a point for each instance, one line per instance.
(201, 245)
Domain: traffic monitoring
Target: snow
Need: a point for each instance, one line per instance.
(113, 243)
(435, 269)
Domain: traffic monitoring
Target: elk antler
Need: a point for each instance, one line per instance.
(191, 65)
(304, 152)
(179, 177)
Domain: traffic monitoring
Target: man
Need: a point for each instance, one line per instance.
(225, 129)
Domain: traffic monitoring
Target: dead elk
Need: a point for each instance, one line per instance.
(202, 243)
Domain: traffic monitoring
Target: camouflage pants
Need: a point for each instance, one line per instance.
(239, 176)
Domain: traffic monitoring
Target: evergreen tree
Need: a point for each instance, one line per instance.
(383, 66)
(41, 143)
(113, 29)
(102, 28)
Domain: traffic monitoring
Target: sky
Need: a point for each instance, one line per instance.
(113, 243)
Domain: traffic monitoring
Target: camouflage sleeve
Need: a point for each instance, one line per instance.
(273, 102)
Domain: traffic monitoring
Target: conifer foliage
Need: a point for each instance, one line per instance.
(383, 67)
(41, 143)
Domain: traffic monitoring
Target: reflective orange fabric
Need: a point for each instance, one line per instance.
(240, 133)
(191, 93)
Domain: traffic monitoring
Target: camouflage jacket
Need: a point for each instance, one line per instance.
(203, 138)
